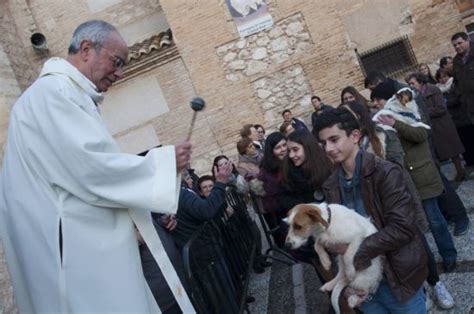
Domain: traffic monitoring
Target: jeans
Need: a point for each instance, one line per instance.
(383, 301)
(439, 229)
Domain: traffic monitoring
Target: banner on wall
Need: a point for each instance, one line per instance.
(250, 16)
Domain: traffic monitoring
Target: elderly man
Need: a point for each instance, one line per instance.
(70, 199)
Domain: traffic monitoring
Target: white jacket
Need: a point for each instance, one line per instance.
(63, 173)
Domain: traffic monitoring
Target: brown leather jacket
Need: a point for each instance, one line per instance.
(391, 208)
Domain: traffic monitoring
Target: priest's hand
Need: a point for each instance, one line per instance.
(183, 155)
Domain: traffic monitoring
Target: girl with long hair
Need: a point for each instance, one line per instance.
(304, 170)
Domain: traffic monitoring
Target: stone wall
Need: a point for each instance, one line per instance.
(286, 89)
(259, 52)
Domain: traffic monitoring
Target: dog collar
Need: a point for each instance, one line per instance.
(329, 216)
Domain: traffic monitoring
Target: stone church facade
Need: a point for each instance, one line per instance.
(183, 48)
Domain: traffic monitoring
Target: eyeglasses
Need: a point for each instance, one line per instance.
(118, 62)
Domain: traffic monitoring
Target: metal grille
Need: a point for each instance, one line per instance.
(394, 58)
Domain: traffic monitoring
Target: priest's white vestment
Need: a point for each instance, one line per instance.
(66, 186)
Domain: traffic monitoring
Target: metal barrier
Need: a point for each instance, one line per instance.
(272, 247)
(218, 260)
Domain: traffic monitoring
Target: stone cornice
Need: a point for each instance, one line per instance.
(150, 54)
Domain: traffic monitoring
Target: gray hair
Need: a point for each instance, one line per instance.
(95, 31)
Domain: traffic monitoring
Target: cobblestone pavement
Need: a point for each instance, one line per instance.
(295, 289)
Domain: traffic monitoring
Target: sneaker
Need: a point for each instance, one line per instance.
(461, 227)
(442, 296)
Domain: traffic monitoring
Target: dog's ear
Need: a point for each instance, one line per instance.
(314, 213)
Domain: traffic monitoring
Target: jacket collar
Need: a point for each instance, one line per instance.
(59, 66)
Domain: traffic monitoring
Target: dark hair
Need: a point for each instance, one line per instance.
(417, 76)
(257, 126)
(340, 117)
(216, 160)
(373, 77)
(204, 178)
(384, 90)
(354, 92)
(317, 167)
(245, 130)
(283, 127)
(315, 97)
(270, 162)
(442, 71)
(367, 126)
(444, 61)
(462, 35)
(243, 144)
(429, 77)
(285, 111)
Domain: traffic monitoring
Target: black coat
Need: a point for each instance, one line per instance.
(463, 74)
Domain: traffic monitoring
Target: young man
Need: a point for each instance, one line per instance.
(376, 189)
(297, 123)
(319, 107)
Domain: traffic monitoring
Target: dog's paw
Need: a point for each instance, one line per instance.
(326, 262)
(350, 273)
(327, 287)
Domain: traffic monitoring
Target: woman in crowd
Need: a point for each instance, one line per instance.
(249, 159)
(458, 113)
(425, 70)
(270, 175)
(446, 63)
(446, 140)
(242, 187)
(261, 135)
(349, 93)
(304, 170)
(249, 131)
(385, 144)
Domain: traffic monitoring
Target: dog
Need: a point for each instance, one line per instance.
(330, 225)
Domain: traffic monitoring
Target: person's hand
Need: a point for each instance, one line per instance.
(223, 173)
(387, 120)
(183, 154)
(337, 248)
(169, 222)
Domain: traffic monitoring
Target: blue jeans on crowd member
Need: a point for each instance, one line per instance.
(383, 301)
(439, 229)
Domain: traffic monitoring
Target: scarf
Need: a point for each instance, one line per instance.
(350, 189)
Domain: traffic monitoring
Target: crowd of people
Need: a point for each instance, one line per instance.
(74, 207)
(380, 157)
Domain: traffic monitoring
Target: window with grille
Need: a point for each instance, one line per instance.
(393, 58)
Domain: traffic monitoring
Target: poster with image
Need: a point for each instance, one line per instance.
(250, 16)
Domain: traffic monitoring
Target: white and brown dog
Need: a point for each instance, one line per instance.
(331, 225)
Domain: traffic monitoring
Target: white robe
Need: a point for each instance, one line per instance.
(64, 173)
